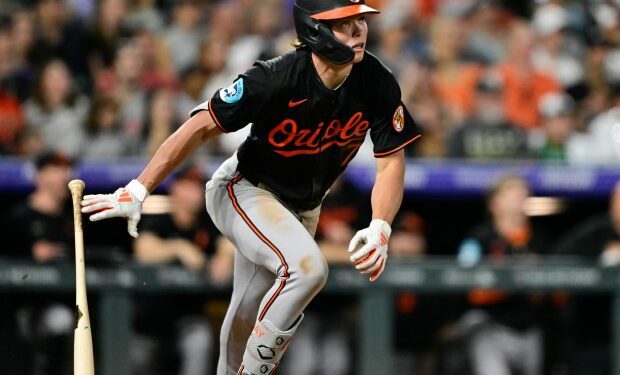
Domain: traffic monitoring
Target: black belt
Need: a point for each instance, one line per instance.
(297, 205)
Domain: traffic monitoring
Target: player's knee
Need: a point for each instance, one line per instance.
(312, 271)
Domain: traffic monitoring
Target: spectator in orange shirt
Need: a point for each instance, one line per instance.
(11, 121)
(523, 85)
(454, 81)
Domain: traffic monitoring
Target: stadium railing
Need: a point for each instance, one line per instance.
(114, 288)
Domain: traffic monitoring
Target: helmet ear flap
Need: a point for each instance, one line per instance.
(319, 37)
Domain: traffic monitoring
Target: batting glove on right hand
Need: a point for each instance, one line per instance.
(369, 248)
(125, 202)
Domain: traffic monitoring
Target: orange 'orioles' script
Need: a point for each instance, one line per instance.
(308, 142)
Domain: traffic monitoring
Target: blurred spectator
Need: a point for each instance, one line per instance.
(157, 70)
(416, 316)
(124, 85)
(213, 61)
(106, 33)
(225, 20)
(487, 134)
(408, 240)
(595, 239)
(42, 229)
(555, 53)
(56, 111)
(486, 39)
(28, 143)
(144, 14)
(161, 121)
(432, 119)
(606, 25)
(185, 34)
(187, 236)
(523, 84)
(454, 81)
(11, 122)
(503, 331)
(598, 144)
(258, 43)
(391, 49)
(557, 113)
(192, 81)
(22, 34)
(59, 36)
(15, 72)
(598, 86)
(104, 138)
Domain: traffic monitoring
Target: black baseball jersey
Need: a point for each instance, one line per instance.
(29, 225)
(202, 234)
(303, 134)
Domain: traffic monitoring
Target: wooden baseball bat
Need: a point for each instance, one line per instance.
(83, 360)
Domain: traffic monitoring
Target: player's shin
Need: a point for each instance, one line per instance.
(265, 347)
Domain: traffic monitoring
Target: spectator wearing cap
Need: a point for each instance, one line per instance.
(145, 15)
(184, 236)
(42, 226)
(550, 141)
(41, 229)
(485, 41)
(487, 134)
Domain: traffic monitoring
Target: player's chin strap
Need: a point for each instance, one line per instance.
(265, 348)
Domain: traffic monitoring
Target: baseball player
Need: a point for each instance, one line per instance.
(310, 110)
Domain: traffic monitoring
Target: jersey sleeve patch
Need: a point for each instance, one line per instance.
(233, 93)
(398, 120)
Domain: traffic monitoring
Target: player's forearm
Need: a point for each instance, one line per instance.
(148, 248)
(178, 147)
(387, 193)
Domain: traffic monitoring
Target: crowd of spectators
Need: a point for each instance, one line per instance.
(484, 79)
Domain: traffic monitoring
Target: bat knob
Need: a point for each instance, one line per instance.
(76, 185)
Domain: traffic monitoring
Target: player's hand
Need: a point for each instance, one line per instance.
(369, 248)
(125, 202)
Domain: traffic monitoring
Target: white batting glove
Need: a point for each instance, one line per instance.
(125, 202)
(369, 248)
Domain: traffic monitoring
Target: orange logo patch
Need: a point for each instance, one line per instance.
(398, 121)
(125, 197)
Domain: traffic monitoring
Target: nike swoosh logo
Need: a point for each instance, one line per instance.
(292, 104)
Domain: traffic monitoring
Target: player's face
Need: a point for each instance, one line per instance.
(352, 31)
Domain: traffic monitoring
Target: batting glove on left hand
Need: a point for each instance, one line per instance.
(125, 202)
(369, 248)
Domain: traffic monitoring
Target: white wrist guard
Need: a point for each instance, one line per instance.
(136, 188)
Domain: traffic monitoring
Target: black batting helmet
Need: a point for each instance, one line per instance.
(309, 16)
